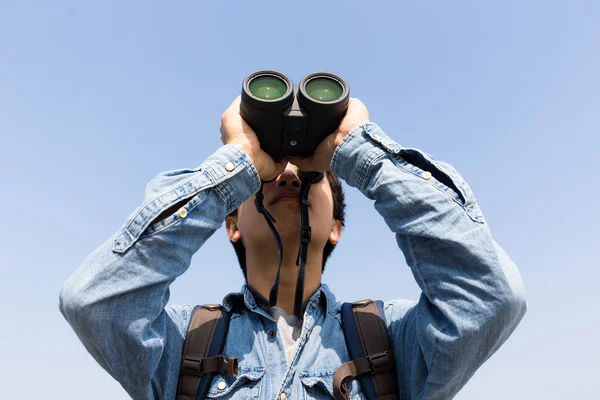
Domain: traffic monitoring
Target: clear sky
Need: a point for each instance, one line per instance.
(97, 99)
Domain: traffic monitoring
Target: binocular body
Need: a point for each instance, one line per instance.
(292, 119)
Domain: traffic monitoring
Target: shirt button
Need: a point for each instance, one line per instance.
(272, 333)
(229, 166)
(427, 175)
(222, 385)
(283, 396)
(182, 212)
(307, 334)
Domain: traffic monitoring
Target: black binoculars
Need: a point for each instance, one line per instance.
(289, 119)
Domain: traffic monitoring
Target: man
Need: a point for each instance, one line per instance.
(472, 295)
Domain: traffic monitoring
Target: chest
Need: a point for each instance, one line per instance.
(260, 346)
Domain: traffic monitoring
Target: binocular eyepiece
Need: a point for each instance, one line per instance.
(289, 119)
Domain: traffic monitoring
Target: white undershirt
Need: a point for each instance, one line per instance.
(289, 328)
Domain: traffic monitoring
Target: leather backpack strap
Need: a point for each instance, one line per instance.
(378, 359)
(195, 362)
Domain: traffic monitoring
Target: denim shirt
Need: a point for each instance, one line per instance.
(472, 294)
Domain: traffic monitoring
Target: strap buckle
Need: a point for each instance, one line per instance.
(381, 362)
(305, 234)
(220, 363)
(191, 366)
(229, 365)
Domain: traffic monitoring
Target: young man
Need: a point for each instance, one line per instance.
(472, 295)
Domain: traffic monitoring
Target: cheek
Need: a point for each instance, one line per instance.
(248, 215)
(323, 208)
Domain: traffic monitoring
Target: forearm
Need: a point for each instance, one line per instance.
(473, 296)
(116, 299)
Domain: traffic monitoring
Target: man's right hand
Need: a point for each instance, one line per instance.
(234, 130)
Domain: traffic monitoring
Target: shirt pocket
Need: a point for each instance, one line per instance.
(246, 385)
(319, 385)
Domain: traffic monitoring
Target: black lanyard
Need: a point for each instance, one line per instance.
(305, 235)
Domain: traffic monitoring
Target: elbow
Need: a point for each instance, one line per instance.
(510, 309)
(499, 313)
(72, 301)
(510, 291)
(68, 301)
(515, 304)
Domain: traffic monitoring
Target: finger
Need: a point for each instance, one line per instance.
(276, 170)
(235, 106)
(283, 163)
(302, 163)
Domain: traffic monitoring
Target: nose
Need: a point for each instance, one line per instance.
(288, 177)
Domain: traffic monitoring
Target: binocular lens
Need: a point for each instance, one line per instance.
(324, 89)
(268, 87)
(292, 119)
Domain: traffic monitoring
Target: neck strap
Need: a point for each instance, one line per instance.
(305, 236)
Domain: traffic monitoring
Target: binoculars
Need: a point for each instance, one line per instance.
(290, 119)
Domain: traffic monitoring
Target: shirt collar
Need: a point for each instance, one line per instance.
(323, 297)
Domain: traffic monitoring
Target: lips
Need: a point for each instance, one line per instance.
(285, 195)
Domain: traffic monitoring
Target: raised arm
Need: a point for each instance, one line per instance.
(116, 300)
(472, 294)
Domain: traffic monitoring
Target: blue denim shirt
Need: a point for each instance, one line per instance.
(472, 294)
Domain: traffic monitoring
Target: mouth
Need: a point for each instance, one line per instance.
(286, 198)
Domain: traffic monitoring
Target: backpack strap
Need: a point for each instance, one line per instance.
(202, 349)
(372, 361)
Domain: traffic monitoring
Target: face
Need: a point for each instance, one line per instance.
(250, 226)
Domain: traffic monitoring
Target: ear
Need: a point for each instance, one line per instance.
(231, 228)
(336, 232)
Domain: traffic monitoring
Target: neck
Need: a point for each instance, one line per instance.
(262, 270)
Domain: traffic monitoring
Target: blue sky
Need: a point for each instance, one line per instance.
(97, 99)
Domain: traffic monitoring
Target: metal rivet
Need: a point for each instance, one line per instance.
(182, 212)
(222, 385)
(427, 175)
(229, 166)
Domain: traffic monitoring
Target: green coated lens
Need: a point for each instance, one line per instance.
(268, 87)
(324, 89)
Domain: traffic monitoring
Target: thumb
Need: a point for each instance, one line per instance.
(279, 167)
(302, 163)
